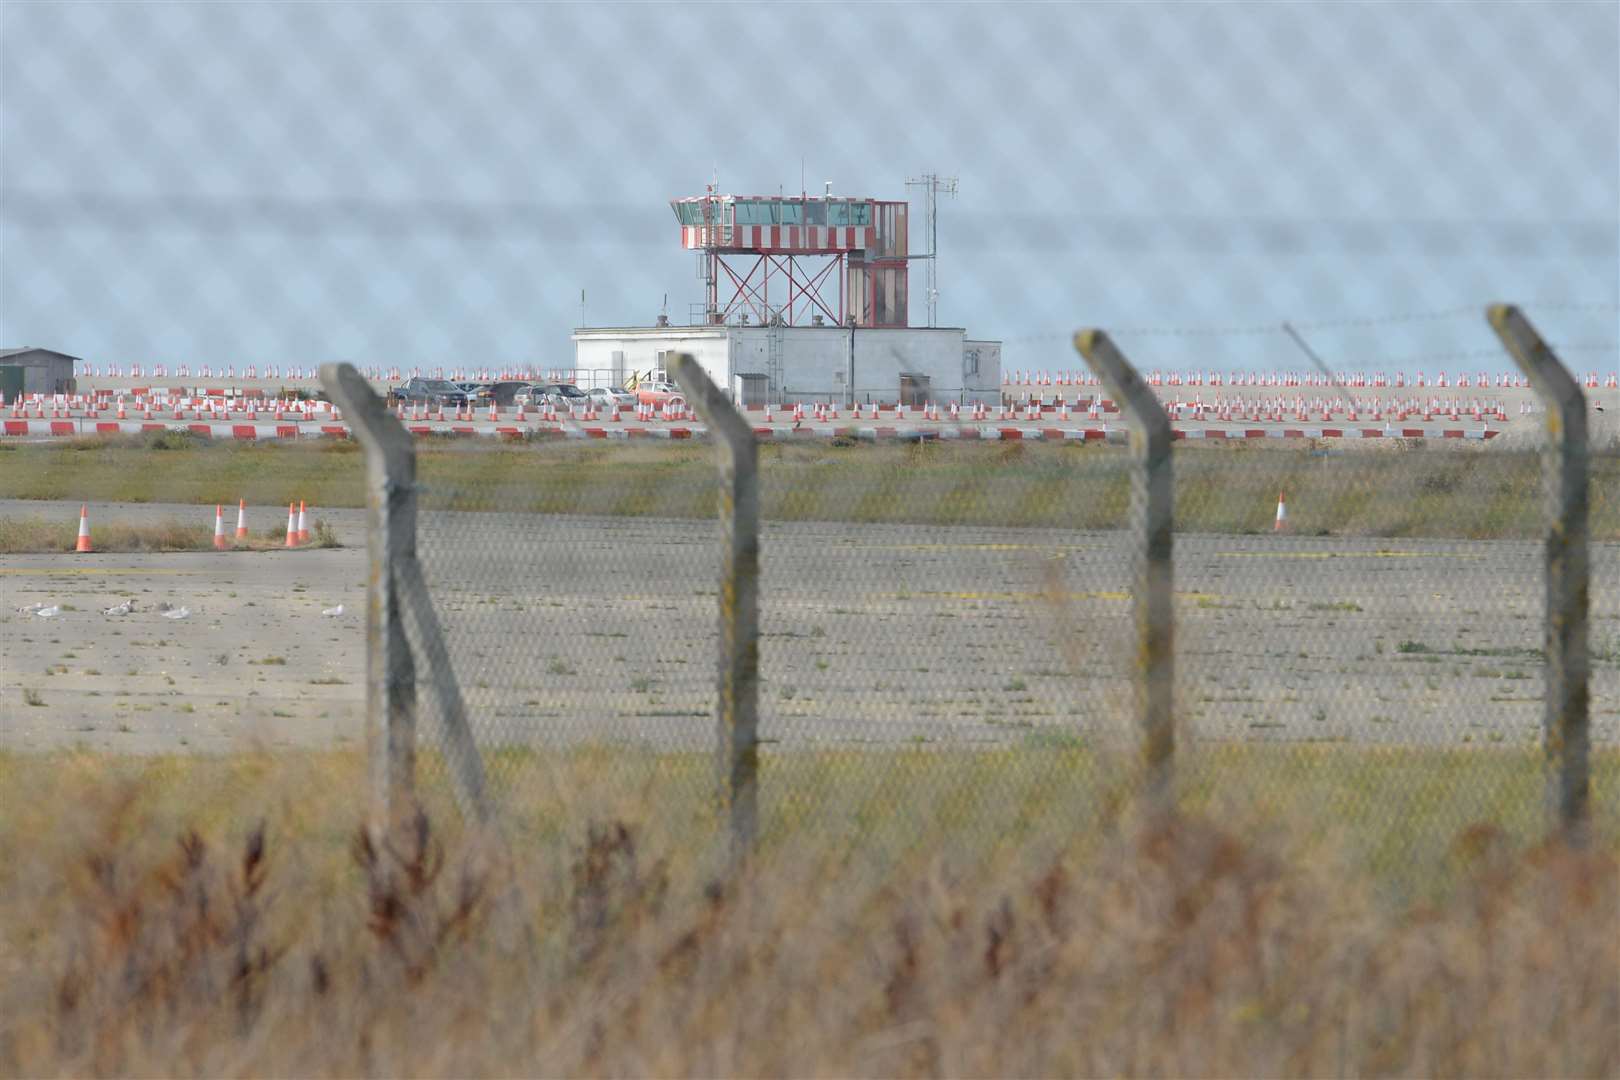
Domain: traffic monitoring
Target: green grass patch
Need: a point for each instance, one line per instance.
(1468, 491)
(19, 536)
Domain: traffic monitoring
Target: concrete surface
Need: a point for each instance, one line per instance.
(568, 629)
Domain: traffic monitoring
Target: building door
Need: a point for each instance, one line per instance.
(914, 393)
(11, 382)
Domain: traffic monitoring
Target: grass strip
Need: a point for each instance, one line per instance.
(35, 535)
(1474, 492)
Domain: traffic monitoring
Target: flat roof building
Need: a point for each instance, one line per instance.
(805, 299)
(782, 365)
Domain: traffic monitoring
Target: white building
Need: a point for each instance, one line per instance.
(788, 364)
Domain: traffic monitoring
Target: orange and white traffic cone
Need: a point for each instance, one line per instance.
(302, 535)
(84, 530)
(292, 526)
(1282, 514)
(219, 528)
(241, 519)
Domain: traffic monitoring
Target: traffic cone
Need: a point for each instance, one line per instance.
(292, 526)
(302, 535)
(1282, 514)
(84, 530)
(219, 528)
(241, 519)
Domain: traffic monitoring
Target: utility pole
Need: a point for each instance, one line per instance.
(933, 185)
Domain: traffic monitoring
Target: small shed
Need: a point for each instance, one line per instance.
(32, 370)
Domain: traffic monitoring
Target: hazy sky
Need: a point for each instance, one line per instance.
(423, 184)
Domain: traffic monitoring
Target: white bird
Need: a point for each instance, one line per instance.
(120, 609)
(47, 612)
(333, 610)
(177, 613)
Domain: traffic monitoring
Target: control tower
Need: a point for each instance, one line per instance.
(798, 260)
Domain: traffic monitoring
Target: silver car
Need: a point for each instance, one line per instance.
(610, 396)
(562, 395)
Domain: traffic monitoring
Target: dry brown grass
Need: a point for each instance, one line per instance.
(154, 923)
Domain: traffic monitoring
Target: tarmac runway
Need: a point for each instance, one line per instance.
(568, 629)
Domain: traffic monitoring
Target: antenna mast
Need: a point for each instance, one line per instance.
(933, 185)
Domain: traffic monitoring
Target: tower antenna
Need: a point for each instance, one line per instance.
(933, 186)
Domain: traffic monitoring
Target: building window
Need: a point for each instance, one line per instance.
(970, 362)
(840, 214)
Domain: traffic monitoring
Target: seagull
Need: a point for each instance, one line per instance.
(177, 613)
(333, 610)
(120, 609)
(47, 612)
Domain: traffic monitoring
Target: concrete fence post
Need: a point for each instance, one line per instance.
(737, 701)
(395, 587)
(1564, 461)
(1152, 516)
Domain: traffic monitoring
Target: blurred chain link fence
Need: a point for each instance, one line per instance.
(434, 189)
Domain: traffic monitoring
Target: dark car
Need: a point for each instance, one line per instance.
(503, 394)
(417, 390)
(477, 392)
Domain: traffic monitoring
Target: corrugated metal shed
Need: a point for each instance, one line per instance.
(32, 370)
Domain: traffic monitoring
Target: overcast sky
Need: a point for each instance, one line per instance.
(419, 184)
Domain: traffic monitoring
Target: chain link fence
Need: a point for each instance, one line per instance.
(788, 539)
(1290, 219)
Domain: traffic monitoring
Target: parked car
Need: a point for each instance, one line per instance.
(477, 392)
(503, 393)
(607, 397)
(420, 391)
(562, 395)
(656, 391)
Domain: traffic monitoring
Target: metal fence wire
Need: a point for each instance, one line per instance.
(1287, 220)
